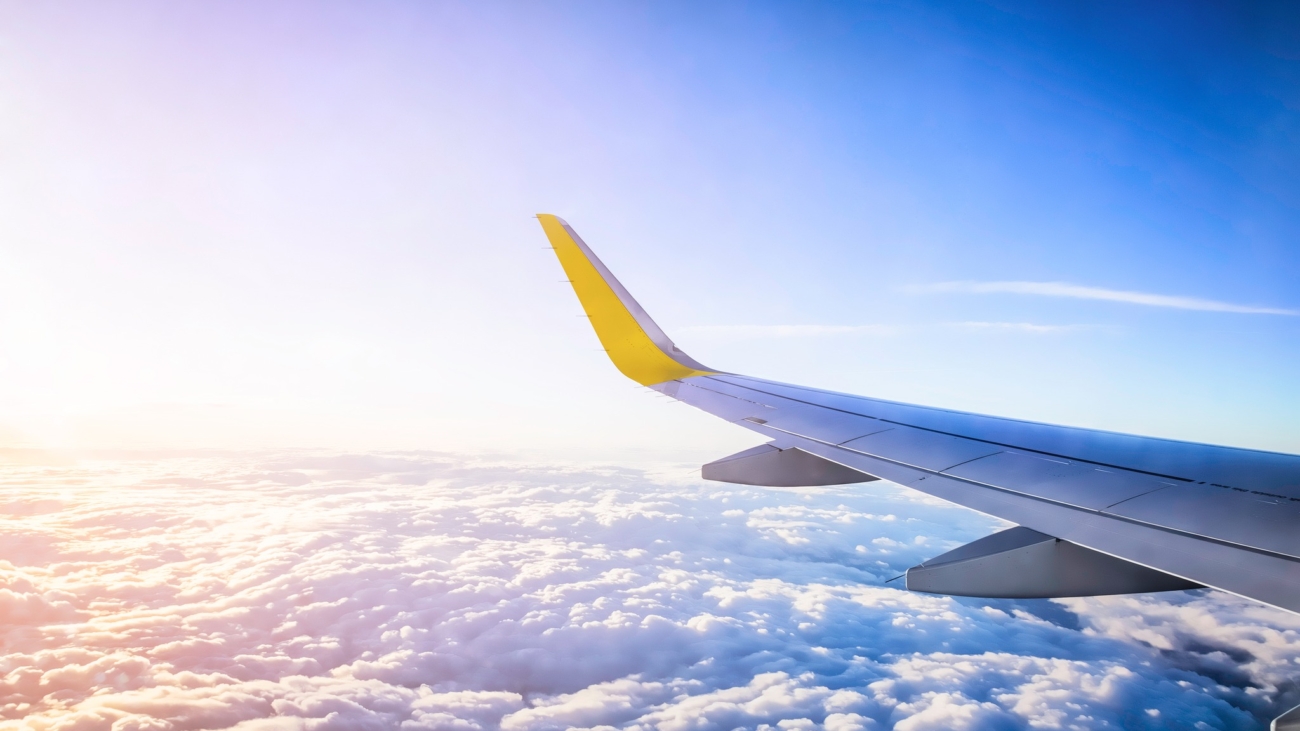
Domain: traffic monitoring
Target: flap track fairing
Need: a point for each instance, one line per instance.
(1020, 563)
(768, 466)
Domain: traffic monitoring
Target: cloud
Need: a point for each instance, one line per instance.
(789, 331)
(1076, 291)
(1015, 327)
(811, 331)
(425, 591)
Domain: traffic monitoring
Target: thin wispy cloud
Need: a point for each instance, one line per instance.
(790, 331)
(762, 332)
(1078, 291)
(1015, 327)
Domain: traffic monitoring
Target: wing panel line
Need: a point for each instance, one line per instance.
(1038, 498)
(963, 436)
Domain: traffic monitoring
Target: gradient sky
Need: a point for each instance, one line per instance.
(232, 224)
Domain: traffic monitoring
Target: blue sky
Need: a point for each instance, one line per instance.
(310, 225)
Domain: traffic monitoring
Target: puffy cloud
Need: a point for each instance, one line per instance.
(422, 591)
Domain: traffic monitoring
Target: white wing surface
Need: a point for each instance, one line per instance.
(1099, 512)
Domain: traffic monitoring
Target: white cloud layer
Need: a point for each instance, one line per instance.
(1076, 291)
(419, 591)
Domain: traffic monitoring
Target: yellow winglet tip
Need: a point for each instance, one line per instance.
(633, 341)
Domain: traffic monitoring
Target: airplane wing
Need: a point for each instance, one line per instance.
(1097, 512)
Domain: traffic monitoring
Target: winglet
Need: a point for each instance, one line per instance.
(634, 342)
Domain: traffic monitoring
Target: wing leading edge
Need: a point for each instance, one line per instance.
(1222, 517)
